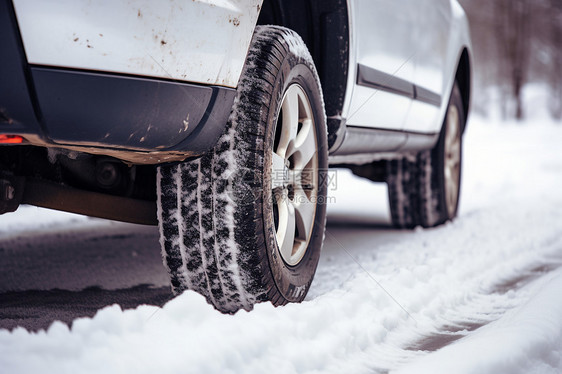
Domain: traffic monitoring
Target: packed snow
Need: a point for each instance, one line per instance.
(479, 295)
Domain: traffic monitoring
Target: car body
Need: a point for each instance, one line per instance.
(94, 96)
(70, 44)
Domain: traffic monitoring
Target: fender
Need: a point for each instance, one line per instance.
(201, 41)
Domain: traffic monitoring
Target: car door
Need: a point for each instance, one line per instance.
(383, 57)
(431, 39)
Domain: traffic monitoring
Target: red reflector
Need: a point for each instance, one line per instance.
(10, 139)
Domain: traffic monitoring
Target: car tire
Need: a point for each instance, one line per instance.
(245, 223)
(424, 189)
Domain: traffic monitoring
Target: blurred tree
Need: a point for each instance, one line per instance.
(556, 48)
(516, 42)
(512, 34)
(482, 23)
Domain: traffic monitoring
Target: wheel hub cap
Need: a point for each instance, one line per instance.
(452, 159)
(294, 175)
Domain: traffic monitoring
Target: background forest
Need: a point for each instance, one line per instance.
(517, 57)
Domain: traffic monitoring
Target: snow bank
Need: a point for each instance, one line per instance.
(32, 218)
(188, 336)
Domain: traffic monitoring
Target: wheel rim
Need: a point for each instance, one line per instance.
(452, 159)
(294, 175)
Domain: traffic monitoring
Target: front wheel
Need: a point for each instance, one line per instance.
(245, 223)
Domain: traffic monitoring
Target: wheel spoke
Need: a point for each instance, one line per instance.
(305, 144)
(287, 227)
(305, 211)
(279, 171)
(289, 124)
(452, 190)
(453, 127)
(450, 178)
(454, 154)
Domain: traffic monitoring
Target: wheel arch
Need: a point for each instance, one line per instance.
(463, 77)
(324, 27)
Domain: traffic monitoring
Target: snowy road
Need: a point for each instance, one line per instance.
(480, 295)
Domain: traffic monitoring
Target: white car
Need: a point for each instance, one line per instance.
(218, 120)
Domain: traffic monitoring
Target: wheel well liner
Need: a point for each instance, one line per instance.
(324, 27)
(463, 78)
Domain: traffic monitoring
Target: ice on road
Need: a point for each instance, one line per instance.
(479, 295)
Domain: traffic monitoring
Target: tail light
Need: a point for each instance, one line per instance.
(10, 139)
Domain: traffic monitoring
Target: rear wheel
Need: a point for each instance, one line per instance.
(245, 223)
(424, 189)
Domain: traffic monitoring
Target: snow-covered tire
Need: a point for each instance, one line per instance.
(224, 217)
(424, 189)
